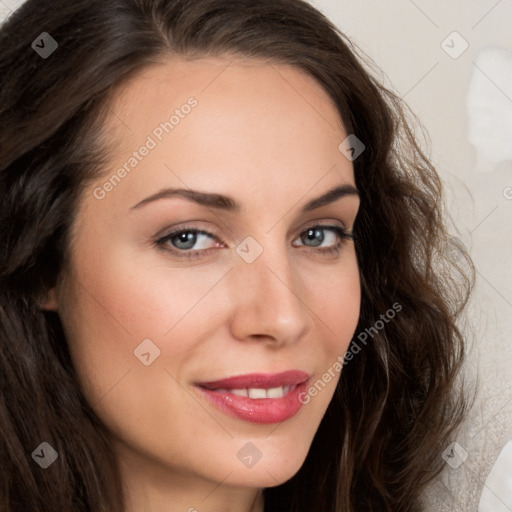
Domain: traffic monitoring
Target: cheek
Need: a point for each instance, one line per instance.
(136, 298)
(112, 304)
(106, 318)
(337, 301)
(334, 300)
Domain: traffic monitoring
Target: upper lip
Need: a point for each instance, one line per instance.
(258, 380)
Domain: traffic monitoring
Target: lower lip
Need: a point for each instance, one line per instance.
(256, 410)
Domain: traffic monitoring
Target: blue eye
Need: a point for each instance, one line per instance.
(180, 242)
(186, 239)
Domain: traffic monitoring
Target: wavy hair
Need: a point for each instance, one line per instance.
(397, 404)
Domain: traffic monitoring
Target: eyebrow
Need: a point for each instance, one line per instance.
(226, 203)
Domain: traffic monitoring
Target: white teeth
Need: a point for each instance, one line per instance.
(275, 392)
(240, 392)
(257, 393)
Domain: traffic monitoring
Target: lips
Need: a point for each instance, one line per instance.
(257, 397)
(258, 380)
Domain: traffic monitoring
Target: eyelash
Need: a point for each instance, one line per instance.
(192, 255)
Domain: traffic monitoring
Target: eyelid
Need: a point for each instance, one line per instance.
(323, 223)
(188, 225)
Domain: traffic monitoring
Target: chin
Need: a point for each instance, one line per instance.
(269, 471)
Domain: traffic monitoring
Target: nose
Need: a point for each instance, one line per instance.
(268, 301)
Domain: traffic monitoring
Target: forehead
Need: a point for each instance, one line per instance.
(254, 123)
(227, 77)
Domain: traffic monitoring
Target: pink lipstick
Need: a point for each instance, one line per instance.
(257, 397)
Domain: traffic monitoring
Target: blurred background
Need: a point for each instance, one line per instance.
(451, 61)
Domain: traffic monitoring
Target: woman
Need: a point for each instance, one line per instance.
(225, 276)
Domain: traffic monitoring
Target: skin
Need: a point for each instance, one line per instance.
(267, 135)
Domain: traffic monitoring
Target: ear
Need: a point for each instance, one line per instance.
(51, 302)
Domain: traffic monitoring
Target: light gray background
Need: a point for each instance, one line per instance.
(465, 103)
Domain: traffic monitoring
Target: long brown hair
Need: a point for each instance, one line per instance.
(398, 403)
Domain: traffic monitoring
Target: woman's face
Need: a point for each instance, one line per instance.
(146, 325)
